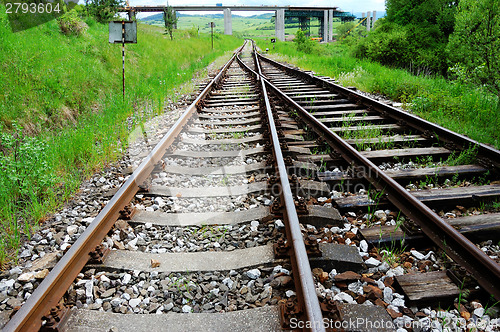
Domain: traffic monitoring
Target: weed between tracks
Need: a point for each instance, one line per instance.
(62, 115)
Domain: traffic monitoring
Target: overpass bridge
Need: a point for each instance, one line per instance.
(325, 15)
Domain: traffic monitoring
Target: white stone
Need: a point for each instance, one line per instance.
(289, 293)
(148, 225)
(254, 225)
(228, 282)
(363, 245)
(186, 308)
(356, 287)
(479, 312)
(26, 277)
(397, 302)
(16, 270)
(169, 306)
(388, 295)
(384, 267)
(417, 255)
(380, 215)
(134, 302)
(344, 297)
(253, 274)
(279, 224)
(335, 230)
(126, 296)
(397, 271)
(372, 262)
(71, 230)
(115, 302)
(126, 278)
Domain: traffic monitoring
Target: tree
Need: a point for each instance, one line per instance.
(475, 44)
(103, 10)
(170, 21)
(304, 44)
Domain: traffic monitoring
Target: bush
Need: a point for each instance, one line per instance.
(71, 24)
(304, 44)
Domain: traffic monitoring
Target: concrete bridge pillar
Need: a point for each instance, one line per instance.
(228, 26)
(279, 24)
(330, 25)
(368, 21)
(325, 26)
(374, 17)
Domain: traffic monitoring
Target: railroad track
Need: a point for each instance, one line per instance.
(235, 216)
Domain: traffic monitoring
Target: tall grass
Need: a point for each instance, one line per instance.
(62, 115)
(466, 109)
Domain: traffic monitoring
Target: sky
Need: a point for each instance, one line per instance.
(345, 5)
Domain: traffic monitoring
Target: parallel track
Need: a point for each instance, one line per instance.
(254, 100)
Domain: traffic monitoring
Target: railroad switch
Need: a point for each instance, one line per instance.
(98, 255)
(288, 310)
(55, 319)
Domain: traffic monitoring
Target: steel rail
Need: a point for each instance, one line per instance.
(485, 270)
(490, 154)
(300, 261)
(48, 294)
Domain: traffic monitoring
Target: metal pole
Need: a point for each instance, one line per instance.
(212, 28)
(123, 58)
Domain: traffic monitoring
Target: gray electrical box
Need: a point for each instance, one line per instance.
(115, 32)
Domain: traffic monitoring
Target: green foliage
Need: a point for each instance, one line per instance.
(475, 43)
(71, 24)
(170, 20)
(413, 36)
(62, 114)
(303, 43)
(103, 10)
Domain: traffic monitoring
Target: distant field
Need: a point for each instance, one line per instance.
(258, 26)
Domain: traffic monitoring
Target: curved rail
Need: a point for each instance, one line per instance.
(48, 294)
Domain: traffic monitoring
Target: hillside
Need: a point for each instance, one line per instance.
(62, 115)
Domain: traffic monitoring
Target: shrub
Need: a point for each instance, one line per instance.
(71, 24)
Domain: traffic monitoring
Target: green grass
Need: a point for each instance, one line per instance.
(462, 108)
(62, 116)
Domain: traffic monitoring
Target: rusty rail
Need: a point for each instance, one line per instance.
(485, 270)
(305, 287)
(48, 294)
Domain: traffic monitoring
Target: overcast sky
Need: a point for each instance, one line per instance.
(345, 5)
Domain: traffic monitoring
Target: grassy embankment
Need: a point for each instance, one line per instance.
(466, 109)
(62, 116)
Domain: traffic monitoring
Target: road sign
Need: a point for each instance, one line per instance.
(123, 32)
(116, 35)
